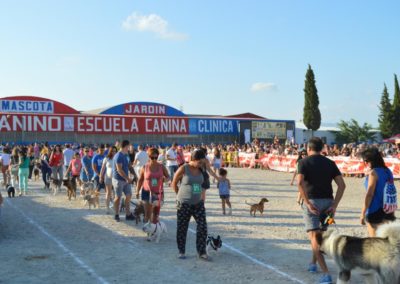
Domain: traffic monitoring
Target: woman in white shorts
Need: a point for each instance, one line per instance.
(106, 174)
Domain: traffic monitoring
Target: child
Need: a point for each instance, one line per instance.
(75, 167)
(224, 186)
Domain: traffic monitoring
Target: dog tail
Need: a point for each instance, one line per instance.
(245, 201)
(390, 231)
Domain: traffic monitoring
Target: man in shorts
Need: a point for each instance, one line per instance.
(121, 181)
(315, 176)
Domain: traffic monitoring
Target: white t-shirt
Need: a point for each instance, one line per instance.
(171, 154)
(109, 167)
(5, 159)
(68, 155)
(141, 158)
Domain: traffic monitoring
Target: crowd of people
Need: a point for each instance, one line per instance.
(116, 168)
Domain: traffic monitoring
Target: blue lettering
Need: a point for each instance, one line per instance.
(14, 106)
(5, 105)
(28, 106)
(21, 105)
(49, 107)
(35, 106)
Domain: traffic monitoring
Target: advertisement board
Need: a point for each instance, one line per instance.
(268, 129)
(213, 126)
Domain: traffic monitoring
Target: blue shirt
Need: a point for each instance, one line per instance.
(123, 159)
(377, 200)
(87, 166)
(223, 187)
(97, 161)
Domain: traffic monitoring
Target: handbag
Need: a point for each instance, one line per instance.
(206, 183)
(389, 196)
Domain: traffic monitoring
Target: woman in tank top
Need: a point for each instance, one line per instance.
(372, 213)
(106, 175)
(190, 203)
(151, 181)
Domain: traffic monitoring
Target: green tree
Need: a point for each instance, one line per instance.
(311, 113)
(396, 108)
(385, 115)
(351, 131)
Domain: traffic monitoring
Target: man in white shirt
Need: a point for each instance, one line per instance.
(172, 163)
(68, 155)
(141, 158)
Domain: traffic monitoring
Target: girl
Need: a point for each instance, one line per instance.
(56, 163)
(23, 171)
(75, 167)
(14, 165)
(152, 177)
(106, 175)
(372, 213)
(5, 164)
(224, 187)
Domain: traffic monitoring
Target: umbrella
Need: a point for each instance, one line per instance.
(392, 139)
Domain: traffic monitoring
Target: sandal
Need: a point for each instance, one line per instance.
(204, 257)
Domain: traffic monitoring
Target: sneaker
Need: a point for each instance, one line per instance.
(130, 217)
(116, 218)
(325, 279)
(312, 268)
(181, 256)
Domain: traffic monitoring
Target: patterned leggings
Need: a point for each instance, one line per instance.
(185, 212)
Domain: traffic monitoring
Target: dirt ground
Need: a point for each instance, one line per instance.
(48, 239)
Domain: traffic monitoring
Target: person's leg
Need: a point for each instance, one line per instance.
(199, 214)
(128, 196)
(313, 235)
(118, 195)
(203, 195)
(171, 173)
(30, 171)
(156, 214)
(371, 230)
(20, 182)
(223, 205)
(229, 205)
(54, 172)
(61, 172)
(108, 196)
(148, 209)
(183, 219)
(26, 175)
(44, 176)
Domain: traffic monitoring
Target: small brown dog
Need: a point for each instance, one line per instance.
(92, 199)
(71, 188)
(139, 210)
(257, 207)
(36, 171)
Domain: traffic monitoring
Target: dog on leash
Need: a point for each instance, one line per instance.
(138, 211)
(86, 188)
(55, 185)
(257, 207)
(10, 190)
(378, 258)
(70, 184)
(36, 171)
(154, 231)
(93, 200)
(213, 243)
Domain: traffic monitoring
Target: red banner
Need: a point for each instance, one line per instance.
(93, 124)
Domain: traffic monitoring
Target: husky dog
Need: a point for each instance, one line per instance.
(213, 243)
(55, 185)
(377, 258)
(154, 231)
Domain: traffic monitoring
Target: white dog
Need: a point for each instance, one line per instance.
(154, 231)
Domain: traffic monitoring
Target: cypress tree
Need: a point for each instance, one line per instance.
(396, 108)
(385, 115)
(311, 113)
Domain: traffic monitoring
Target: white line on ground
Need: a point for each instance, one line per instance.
(60, 244)
(259, 262)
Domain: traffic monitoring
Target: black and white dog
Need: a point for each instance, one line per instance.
(213, 243)
(10, 190)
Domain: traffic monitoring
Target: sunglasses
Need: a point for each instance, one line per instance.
(154, 157)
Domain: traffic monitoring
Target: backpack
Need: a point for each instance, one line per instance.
(389, 196)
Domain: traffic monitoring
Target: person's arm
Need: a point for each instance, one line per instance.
(341, 186)
(165, 172)
(177, 177)
(69, 168)
(140, 182)
(103, 169)
(122, 173)
(210, 170)
(372, 179)
(61, 160)
(94, 166)
(303, 194)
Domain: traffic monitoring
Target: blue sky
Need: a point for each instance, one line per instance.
(210, 57)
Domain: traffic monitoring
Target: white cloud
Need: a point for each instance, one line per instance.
(151, 23)
(261, 86)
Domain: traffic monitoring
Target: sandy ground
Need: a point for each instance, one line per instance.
(47, 239)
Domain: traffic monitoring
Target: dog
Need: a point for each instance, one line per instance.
(10, 190)
(70, 184)
(154, 231)
(378, 258)
(257, 207)
(122, 205)
(36, 171)
(139, 210)
(55, 185)
(213, 243)
(93, 200)
(86, 188)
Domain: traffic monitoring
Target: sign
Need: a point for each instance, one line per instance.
(213, 126)
(268, 129)
(143, 108)
(27, 104)
(94, 124)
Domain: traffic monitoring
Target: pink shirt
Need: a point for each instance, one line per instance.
(76, 166)
(153, 180)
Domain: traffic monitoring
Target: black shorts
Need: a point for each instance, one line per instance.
(379, 216)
